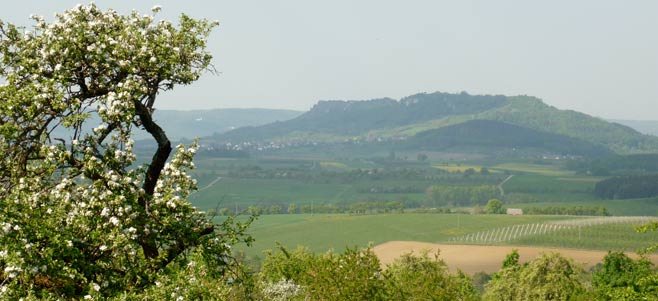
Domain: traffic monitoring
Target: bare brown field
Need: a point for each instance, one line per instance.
(472, 259)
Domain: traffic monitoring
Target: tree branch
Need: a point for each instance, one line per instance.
(154, 170)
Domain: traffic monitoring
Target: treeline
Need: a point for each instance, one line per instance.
(575, 210)
(355, 208)
(363, 207)
(392, 189)
(315, 174)
(394, 206)
(628, 187)
(376, 207)
(492, 134)
(437, 196)
(461, 195)
(278, 209)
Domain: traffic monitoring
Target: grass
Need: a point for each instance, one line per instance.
(323, 232)
(547, 189)
(550, 184)
(246, 192)
(255, 191)
(543, 184)
(634, 207)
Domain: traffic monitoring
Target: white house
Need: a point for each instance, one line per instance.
(514, 211)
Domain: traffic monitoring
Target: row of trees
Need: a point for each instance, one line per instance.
(364, 207)
(318, 175)
(563, 210)
(493, 206)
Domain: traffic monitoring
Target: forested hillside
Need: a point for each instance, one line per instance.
(357, 117)
(386, 118)
(495, 134)
(531, 112)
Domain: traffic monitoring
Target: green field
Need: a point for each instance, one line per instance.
(246, 192)
(281, 181)
(305, 180)
(255, 191)
(323, 232)
(543, 188)
(634, 207)
(320, 233)
(550, 184)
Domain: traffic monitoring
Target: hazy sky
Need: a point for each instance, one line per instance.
(598, 57)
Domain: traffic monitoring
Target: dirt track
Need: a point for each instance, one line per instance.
(471, 259)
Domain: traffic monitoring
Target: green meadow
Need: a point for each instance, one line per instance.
(320, 233)
(337, 231)
(239, 183)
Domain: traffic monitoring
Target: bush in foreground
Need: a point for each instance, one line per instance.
(357, 275)
(548, 277)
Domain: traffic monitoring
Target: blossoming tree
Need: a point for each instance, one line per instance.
(78, 215)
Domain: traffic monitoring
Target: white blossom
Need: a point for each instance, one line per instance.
(6, 227)
(89, 189)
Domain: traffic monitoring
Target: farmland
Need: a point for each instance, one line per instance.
(337, 231)
(471, 259)
(323, 232)
(312, 183)
(265, 181)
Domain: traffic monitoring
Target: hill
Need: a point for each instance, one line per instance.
(489, 134)
(354, 118)
(388, 119)
(531, 112)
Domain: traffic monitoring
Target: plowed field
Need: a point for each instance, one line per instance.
(471, 258)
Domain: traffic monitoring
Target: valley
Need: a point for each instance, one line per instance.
(330, 185)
